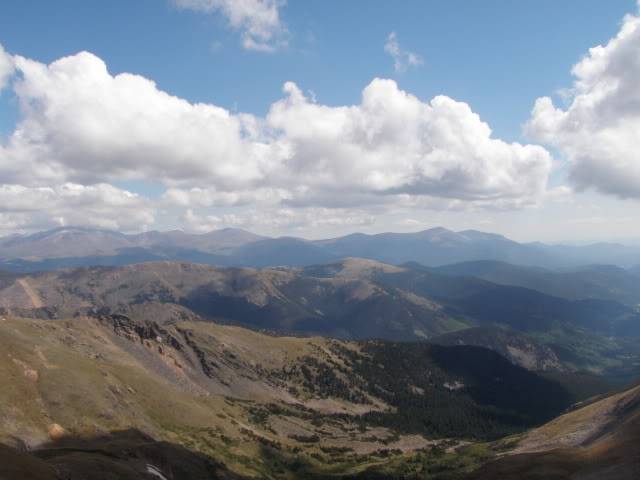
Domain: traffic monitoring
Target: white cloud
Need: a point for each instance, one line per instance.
(101, 205)
(599, 129)
(393, 143)
(277, 220)
(258, 20)
(198, 197)
(80, 125)
(402, 59)
(6, 67)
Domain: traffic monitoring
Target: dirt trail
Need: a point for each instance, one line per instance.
(31, 293)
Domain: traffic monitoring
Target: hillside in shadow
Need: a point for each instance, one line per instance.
(125, 455)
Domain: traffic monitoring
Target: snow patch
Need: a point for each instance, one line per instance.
(155, 471)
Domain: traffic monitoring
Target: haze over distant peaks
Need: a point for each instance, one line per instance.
(78, 246)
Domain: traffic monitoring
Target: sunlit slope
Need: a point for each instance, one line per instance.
(256, 403)
(598, 441)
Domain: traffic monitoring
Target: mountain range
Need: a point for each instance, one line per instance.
(228, 355)
(605, 282)
(75, 246)
(352, 299)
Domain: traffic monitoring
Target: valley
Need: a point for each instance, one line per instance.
(350, 369)
(261, 406)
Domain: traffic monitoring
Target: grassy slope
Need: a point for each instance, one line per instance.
(599, 440)
(270, 407)
(85, 382)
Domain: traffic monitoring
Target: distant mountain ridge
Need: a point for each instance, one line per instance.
(80, 241)
(80, 246)
(605, 282)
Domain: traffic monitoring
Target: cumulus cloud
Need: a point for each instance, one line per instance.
(81, 125)
(258, 20)
(598, 131)
(393, 143)
(402, 59)
(101, 205)
(6, 67)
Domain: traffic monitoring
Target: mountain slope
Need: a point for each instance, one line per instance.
(275, 299)
(518, 348)
(255, 402)
(126, 455)
(520, 308)
(80, 241)
(437, 246)
(284, 251)
(599, 440)
(351, 298)
(64, 242)
(604, 282)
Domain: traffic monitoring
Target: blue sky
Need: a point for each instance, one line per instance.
(496, 56)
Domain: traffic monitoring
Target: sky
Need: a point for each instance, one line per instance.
(321, 118)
